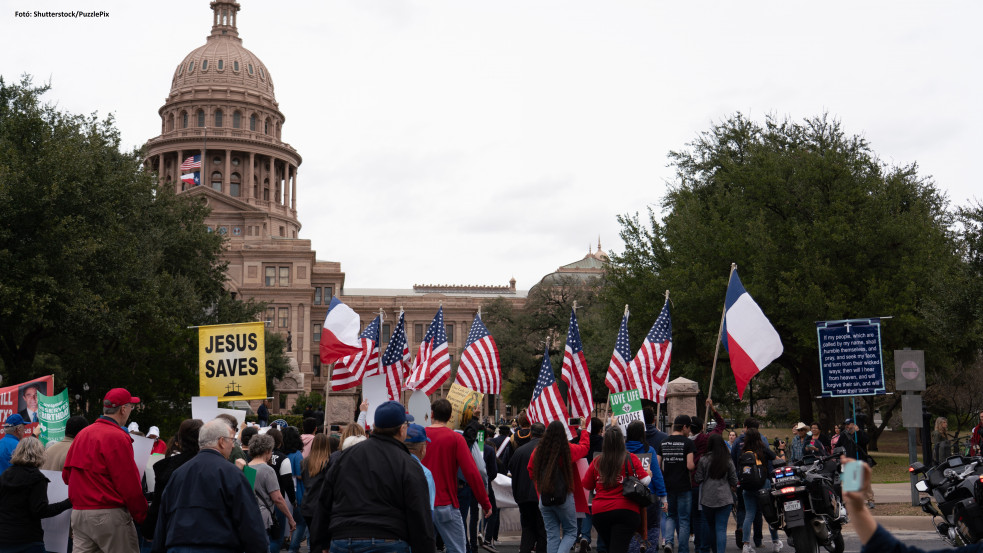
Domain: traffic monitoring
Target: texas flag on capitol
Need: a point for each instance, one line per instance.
(339, 335)
(193, 179)
(751, 342)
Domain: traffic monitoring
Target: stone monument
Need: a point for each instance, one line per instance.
(681, 398)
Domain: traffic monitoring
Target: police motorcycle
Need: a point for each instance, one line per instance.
(956, 486)
(805, 502)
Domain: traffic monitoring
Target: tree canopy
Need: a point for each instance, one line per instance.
(103, 270)
(820, 228)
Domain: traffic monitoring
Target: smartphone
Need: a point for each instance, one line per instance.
(573, 421)
(853, 476)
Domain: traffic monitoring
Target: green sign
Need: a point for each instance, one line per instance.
(626, 408)
(52, 414)
(481, 441)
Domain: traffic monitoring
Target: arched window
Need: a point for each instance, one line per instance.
(191, 66)
(184, 119)
(218, 118)
(235, 185)
(252, 122)
(236, 120)
(221, 65)
(217, 181)
(235, 66)
(201, 118)
(204, 65)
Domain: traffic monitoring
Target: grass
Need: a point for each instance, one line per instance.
(891, 468)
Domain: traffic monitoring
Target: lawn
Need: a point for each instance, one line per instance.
(891, 468)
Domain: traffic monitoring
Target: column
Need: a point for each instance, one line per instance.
(249, 176)
(227, 177)
(286, 183)
(272, 178)
(177, 180)
(160, 168)
(293, 192)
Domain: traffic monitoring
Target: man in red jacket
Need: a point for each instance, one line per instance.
(103, 481)
(446, 453)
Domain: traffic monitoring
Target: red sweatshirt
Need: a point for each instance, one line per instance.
(100, 470)
(446, 452)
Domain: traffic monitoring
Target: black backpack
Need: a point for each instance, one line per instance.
(751, 473)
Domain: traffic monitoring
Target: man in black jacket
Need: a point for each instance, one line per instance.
(524, 493)
(375, 495)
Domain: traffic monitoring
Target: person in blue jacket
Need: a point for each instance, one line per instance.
(636, 443)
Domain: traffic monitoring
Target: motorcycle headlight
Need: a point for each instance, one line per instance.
(921, 486)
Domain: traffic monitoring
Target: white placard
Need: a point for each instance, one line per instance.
(239, 414)
(375, 391)
(420, 408)
(56, 527)
(141, 452)
(204, 408)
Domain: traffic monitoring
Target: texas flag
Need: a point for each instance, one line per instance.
(751, 341)
(339, 335)
(193, 179)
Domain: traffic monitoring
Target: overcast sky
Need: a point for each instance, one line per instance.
(467, 142)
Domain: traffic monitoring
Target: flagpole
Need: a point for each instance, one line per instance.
(716, 351)
(327, 394)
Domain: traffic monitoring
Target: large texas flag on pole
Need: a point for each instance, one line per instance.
(751, 342)
(339, 335)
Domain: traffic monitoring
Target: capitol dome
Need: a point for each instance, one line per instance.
(222, 61)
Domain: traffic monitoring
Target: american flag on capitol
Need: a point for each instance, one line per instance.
(617, 378)
(480, 369)
(349, 371)
(575, 372)
(432, 364)
(193, 162)
(396, 360)
(650, 367)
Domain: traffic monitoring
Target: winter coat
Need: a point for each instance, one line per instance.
(23, 503)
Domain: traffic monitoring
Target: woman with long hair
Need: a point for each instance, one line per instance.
(717, 477)
(754, 443)
(24, 500)
(183, 448)
(313, 469)
(615, 517)
(552, 470)
(941, 447)
(635, 442)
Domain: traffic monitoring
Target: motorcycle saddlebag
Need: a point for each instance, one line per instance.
(767, 507)
(969, 517)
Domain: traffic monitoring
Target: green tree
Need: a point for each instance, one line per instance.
(103, 270)
(821, 230)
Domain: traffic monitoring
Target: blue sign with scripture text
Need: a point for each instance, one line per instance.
(850, 361)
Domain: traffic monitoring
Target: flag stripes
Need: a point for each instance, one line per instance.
(480, 368)
(574, 372)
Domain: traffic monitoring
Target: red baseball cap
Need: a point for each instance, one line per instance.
(117, 397)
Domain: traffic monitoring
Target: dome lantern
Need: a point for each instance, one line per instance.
(224, 18)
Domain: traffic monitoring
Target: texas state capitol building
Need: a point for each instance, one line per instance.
(222, 106)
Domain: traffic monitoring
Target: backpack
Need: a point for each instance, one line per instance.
(751, 472)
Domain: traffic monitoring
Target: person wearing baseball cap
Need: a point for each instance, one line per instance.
(159, 445)
(13, 431)
(103, 480)
(416, 442)
(375, 495)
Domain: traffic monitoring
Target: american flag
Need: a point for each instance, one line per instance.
(575, 372)
(349, 371)
(650, 367)
(480, 369)
(432, 364)
(617, 378)
(396, 360)
(193, 162)
(547, 405)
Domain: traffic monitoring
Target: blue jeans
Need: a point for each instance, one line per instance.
(561, 525)
(299, 533)
(717, 518)
(750, 510)
(447, 519)
(680, 506)
(370, 546)
(277, 541)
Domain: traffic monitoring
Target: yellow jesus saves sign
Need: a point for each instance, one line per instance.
(232, 361)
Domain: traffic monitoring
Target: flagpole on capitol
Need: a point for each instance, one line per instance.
(713, 371)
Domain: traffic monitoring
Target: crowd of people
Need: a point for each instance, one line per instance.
(397, 486)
